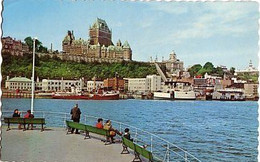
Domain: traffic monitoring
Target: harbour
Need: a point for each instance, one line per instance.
(211, 130)
(173, 84)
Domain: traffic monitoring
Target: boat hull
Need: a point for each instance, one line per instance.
(177, 95)
(94, 97)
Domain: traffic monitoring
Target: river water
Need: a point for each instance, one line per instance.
(210, 130)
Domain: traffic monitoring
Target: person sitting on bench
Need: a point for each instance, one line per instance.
(127, 134)
(29, 115)
(17, 114)
(113, 132)
(100, 123)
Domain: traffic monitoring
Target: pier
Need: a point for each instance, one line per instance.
(54, 145)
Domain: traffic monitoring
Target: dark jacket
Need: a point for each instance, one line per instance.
(75, 113)
(16, 115)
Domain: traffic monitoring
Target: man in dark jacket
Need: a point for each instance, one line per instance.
(75, 116)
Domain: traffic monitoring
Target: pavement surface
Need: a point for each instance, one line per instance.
(53, 145)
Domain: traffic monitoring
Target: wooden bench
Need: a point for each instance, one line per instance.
(138, 150)
(87, 129)
(24, 121)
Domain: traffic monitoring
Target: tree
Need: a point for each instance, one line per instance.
(232, 70)
(194, 69)
(219, 71)
(209, 67)
(38, 45)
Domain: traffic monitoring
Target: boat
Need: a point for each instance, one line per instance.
(175, 95)
(77, 96)
(176, 90)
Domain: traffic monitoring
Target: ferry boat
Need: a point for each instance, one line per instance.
(175, 95)
(176, 90)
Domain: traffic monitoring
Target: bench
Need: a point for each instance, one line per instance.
(87, 129)
(24, 121)
(138, 150)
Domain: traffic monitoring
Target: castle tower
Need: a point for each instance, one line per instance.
(119, 43)
(67, 41)
(100, 33)
(127, 54)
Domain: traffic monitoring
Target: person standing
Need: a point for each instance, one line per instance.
(75, 116)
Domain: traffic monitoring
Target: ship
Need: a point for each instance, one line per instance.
(73, 96)
(175, 95)
(173, 90)
(176, 90)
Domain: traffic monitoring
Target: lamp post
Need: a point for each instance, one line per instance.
(34, 40)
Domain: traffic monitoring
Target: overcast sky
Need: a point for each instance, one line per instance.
(224, 33)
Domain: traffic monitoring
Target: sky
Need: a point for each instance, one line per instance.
(224, 33)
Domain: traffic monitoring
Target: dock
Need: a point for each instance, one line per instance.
(54, 144)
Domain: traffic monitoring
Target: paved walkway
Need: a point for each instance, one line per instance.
(54, 145)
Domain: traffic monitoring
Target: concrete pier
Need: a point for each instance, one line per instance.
(53, 145)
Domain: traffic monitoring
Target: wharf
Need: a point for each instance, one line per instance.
(54, 145)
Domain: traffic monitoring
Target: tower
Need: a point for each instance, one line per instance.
(100, 33)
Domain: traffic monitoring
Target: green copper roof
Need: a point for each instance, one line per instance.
(99, 23)
(126, 45)
(19, 79)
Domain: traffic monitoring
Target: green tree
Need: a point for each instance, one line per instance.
(232, 70)
(209, 67)
(194, 69)
(219, 71)
(38, 45)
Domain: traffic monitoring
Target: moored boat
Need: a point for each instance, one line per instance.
(73, 96)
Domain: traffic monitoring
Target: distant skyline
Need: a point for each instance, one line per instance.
(224, 33)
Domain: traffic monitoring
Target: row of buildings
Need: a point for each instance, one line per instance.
(213, 86)
(149, 84)
(99, 47)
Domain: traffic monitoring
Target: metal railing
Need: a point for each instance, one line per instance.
(161, 149)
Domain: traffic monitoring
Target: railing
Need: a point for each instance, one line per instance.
(161, 149)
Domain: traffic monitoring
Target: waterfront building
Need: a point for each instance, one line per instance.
(250, 69)
(91, 85)
(251, 90)
(13, 46)
(151, 83)
(62, 85)
(21, 83)
(99, 47)
(235, 94)
(137, 84)
(114, 84)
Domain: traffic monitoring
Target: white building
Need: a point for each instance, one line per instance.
(21, 83)
(96, 84)
(149, 84)
(250, 69)
(62, 85)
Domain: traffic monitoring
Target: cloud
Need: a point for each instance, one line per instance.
(219, 20)
(170, 7)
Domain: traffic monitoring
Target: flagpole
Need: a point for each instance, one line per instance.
(33, 85)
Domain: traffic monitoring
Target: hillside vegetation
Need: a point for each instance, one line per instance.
(54, 68)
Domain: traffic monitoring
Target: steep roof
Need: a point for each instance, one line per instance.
(126, 45)
(99, 23)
